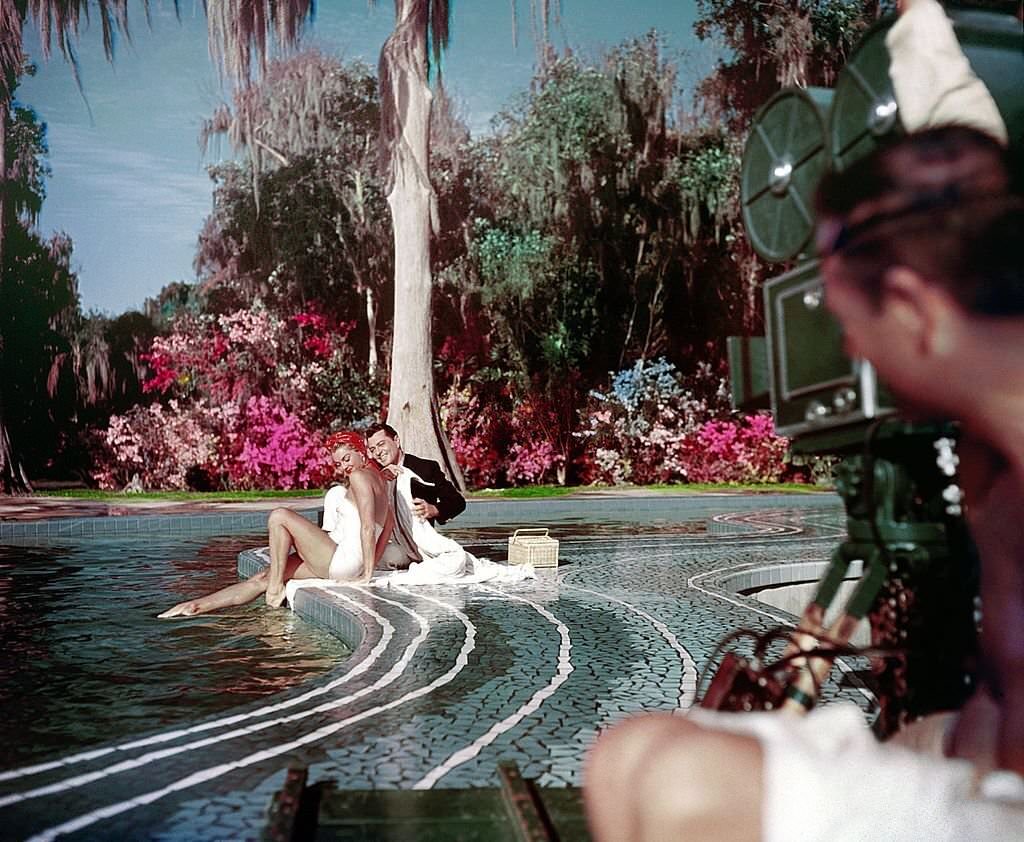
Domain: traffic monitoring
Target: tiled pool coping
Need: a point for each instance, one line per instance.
(94, 527)
(611, 505)
(443, 682)
(316, 607)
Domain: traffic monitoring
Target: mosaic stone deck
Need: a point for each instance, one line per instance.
(446, 681)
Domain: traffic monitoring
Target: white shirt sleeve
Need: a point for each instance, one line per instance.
(932, 78)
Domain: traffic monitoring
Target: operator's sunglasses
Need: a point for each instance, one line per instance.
(833, 237)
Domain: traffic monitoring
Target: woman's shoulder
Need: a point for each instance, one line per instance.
(365, 478)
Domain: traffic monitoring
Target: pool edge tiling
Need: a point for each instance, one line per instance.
(157, 524)
(446, 681)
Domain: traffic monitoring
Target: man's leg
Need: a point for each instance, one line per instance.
(393, 558)
(663, 777)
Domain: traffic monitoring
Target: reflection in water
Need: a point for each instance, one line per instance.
(85, 661)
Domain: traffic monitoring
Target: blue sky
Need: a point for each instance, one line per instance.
(129, 184)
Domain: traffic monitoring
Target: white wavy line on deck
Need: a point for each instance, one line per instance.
(671, 542)
(692, 583)
(766, 527)
(150, 757)
(562, 673)
(564, 572)
(814, 519)
(688, 682)
(204, 775)
(839, 662)
(387, 632)
(773, 528)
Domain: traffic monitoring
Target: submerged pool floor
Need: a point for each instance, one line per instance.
(447, 681)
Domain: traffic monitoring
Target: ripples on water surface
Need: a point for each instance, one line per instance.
(86, 662)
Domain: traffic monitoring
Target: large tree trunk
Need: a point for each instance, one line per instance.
(406, 96)
(13, 479)
(12, 475)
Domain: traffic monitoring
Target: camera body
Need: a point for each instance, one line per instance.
(896, 479)
(820, 398)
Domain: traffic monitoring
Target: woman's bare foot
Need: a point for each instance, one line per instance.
(182, 609)
(275, 599)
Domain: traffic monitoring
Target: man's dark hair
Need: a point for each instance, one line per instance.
(938, 202)
(373, 429)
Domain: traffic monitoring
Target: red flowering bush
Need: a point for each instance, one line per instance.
(248, 397)
(742, 450)
(478, 430)
(542, 435)
(277, 450)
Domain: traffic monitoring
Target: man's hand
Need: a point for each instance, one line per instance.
(391, 472)
(275, 598)
(424, 510)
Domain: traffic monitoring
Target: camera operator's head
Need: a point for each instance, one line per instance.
(921, 245)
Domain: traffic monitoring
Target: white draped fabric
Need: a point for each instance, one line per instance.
(444, 561)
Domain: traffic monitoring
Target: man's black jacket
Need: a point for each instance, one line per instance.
(440, 490)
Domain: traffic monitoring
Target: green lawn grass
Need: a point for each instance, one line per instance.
(748, 487)
(524, 492)
(531, 491)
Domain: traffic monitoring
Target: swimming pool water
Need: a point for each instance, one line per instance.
(85, 661)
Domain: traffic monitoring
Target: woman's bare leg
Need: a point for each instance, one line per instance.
(286, 530)
(238, 594)
(289, 529)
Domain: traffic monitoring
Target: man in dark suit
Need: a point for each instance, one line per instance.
(435, 498)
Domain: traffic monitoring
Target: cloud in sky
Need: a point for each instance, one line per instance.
(129, 185)
(134, 214)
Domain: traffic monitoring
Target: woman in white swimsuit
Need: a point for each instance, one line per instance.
(358, 520)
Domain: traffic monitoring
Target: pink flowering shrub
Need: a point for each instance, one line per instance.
(156, 442)
(277, 450)
(651, 426)
(479, 433)
(745, 449)
(246, 398)
(536, 462)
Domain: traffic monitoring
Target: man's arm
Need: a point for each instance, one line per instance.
(450, 503)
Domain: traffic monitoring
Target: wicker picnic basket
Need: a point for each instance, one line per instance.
(533, 546)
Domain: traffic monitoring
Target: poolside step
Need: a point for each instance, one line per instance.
(518, 811)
